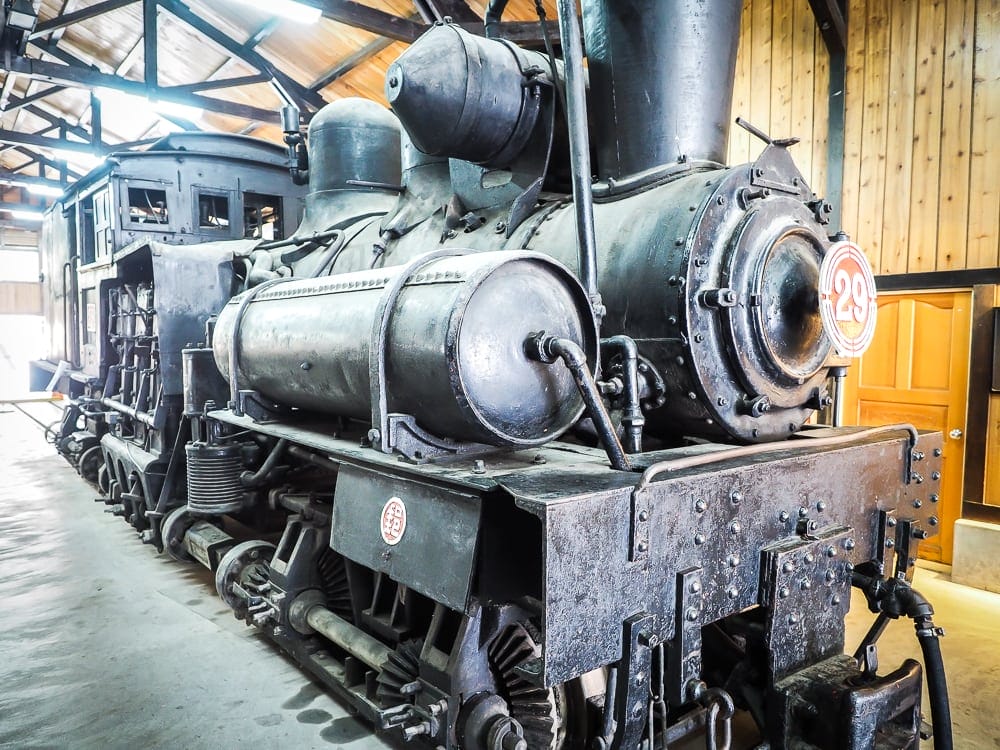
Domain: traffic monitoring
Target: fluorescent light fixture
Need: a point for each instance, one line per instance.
(185, 111)
(81, 162)
(137, 113)
(289, 9)
(46, 190)
(27, 215)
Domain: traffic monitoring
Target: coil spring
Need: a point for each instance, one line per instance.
(213, 478)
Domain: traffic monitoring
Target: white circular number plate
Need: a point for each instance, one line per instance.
(847, 299)
(393, 521)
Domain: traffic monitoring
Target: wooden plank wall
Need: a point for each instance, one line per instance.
(20, 298)
(781, 84)
(923, 88)
(921, 170)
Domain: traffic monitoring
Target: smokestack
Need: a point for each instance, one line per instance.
(661, 80)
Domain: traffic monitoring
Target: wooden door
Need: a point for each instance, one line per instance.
(917, 371)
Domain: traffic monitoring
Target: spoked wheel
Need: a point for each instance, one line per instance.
(90, 464)
(135, 504)
(172, 530)
(246, 564)
(104, 480)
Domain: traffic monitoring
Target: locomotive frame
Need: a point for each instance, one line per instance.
(437, 536)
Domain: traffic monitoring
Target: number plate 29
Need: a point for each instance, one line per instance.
(847, 299)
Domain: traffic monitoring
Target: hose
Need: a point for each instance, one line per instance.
(937, 684)
(894, 598)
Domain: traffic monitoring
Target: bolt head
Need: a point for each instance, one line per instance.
(691, 615)
(643, 515)
(933, 520)
(803, 512)
(783, 592)
(890, 522)
(732, 592)
(736, 496)
(783, 516)
(695, 587)
(735, 527)
(734, 561)
(788, 567)
(889, 544)
(849, 544)
(809, 557)
(699, 538)
(836, 599)
(831, 551)
(806, 585)
(821, 506)
(700, 506)
(642, 546)
(793, 618)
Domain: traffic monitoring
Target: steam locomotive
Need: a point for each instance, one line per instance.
(511, 457)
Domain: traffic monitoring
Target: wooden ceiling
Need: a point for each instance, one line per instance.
(250, 55)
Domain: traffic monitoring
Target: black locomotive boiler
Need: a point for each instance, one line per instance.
(510, 456)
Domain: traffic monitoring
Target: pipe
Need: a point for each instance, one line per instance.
(316, 460)
(632, 419)
(353, 640)
(254, 478)
(144, 417)
(492, 18)
(579, 148)
(689, 462)
(548, 349)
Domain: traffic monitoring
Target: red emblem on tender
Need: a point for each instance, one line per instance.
(847, 299)
(393, 521)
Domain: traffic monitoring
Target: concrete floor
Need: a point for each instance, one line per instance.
(105, 644)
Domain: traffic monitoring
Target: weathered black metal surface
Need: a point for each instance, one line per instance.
(322, 344)
(661, 80)
(432, 550)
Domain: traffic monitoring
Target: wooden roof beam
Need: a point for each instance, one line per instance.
(63, 20)
(831, 20)
(81, 76)
(305, 98)
(370, 19)
(8, 177)
(57, 144)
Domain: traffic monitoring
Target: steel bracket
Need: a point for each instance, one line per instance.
(885, 538)
(632, 696)
(806, 591)
(684, 651)
(639, 526)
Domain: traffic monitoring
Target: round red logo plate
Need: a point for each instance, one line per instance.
(847, 299)
(393, 521)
